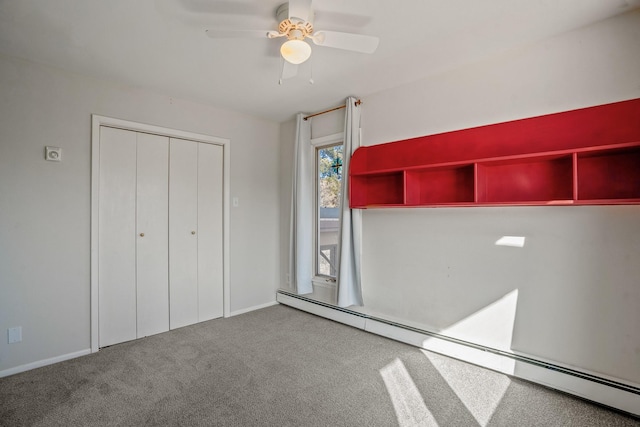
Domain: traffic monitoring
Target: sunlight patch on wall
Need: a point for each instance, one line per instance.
(405, 396)
(511, 241)
(480, 390)
(491, 326)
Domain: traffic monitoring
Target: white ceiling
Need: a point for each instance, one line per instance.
(161, 44)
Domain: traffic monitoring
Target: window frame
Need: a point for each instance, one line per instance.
(317, 144)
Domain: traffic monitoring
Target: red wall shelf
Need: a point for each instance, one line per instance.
(579, 157)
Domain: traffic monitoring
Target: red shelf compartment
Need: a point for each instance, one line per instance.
(377, 189)
(609, 174)
(546, 179)
(441, 185)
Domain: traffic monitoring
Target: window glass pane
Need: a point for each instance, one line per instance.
(329, 166)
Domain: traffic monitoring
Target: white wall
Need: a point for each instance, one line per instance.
(287, 146)
(571, 294)
(578, 299)
(45, 206)
(590, 66)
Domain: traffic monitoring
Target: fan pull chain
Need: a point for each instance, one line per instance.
(311, 65)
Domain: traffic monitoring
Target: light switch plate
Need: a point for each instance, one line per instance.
(14, 335)
(53, 154)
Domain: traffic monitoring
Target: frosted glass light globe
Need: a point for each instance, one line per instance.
(295, 51)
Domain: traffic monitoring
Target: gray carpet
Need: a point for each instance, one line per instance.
(281, 367)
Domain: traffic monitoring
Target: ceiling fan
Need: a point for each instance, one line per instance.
(295, 23)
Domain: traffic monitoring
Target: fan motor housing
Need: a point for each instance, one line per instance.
(297, 31)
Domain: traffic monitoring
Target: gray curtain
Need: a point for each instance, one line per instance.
(302, 216)
(348, 280)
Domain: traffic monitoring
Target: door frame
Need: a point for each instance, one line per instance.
(96, 122)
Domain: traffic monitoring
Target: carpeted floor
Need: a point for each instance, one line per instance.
(281, 367)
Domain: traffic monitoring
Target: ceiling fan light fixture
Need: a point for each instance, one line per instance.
(295, 51)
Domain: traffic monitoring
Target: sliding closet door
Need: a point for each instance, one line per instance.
(183, 238)
(117, 237)
(152, 234)
(210, 167)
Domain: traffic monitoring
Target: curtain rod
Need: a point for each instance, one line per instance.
(358, 102)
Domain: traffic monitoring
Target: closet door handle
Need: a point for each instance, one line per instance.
(141, 234)
(193, 232)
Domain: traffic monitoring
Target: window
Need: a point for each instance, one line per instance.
(327, 224)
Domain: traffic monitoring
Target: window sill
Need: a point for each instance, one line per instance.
(324, 282)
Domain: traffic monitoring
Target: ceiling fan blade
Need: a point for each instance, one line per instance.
(300, 9)
(237, 34)
(346, 41)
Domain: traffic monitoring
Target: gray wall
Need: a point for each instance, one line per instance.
(578, 299)
(45, 206)
(571, 294)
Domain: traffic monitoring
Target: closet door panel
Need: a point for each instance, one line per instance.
(183, 238)
(210, 197)
(117, 237)
(152, 234)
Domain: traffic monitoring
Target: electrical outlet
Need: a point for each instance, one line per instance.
(14, 335)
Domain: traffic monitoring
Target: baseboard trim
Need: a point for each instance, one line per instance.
(321, 309)
(44, 362)
(605, 391)
(255, 307)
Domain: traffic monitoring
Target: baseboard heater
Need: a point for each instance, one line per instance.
(605, 391)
